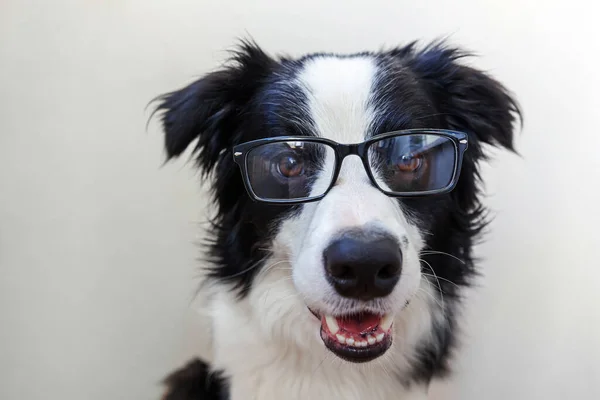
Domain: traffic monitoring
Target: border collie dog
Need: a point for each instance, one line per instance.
(347, 202)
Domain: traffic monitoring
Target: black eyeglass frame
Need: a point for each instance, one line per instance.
(341, 151)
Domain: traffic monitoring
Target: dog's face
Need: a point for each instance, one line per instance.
(354, 253)
(356, 257)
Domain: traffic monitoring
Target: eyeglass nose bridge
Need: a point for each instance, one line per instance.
(345, 150)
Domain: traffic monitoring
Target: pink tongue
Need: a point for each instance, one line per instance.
(359, 323)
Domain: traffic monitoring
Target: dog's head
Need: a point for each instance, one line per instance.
(348, 229)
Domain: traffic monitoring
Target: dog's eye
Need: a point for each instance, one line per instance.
(409, 163)
(290, 166)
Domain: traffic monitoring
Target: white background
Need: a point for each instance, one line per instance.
(97, 253)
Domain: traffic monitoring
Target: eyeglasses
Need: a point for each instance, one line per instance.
(300, 169)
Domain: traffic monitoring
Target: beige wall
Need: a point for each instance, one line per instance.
(97, 258)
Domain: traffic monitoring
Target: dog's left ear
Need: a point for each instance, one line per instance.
(469, 100)
(210, 111)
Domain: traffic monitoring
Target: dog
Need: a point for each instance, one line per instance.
(347, 200)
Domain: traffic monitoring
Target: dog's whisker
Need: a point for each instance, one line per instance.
(279, 281)
(327, 356)
(386, 370)
(433, 252)
(431, 296)
(253, 266)
(281, 251)
(440, 278)
(270, 267)
(289, 296)
(438, 282)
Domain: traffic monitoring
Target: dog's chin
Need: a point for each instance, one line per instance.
(358, 337)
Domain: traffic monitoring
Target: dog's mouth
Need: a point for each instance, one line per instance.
(359, 337)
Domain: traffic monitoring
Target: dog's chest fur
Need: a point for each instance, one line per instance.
(273, 384)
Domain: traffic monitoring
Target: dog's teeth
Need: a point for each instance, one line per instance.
(371, 340)
(341, 338)
(332, 325)
(363, 343)
(379, 337)
(350, 341)
(386, 322)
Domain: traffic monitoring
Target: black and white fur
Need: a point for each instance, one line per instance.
(265, 260)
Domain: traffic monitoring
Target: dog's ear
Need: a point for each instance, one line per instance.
(209, 111)
(469, 100)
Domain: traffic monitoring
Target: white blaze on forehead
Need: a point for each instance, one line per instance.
(338, 92)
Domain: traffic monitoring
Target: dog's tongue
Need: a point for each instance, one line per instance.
(359, 323)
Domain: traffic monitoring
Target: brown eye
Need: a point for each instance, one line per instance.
(290, 167)
(409, 163)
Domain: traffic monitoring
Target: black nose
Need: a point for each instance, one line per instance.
(363, 265)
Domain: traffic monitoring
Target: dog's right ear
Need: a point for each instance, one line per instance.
(210, 110)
